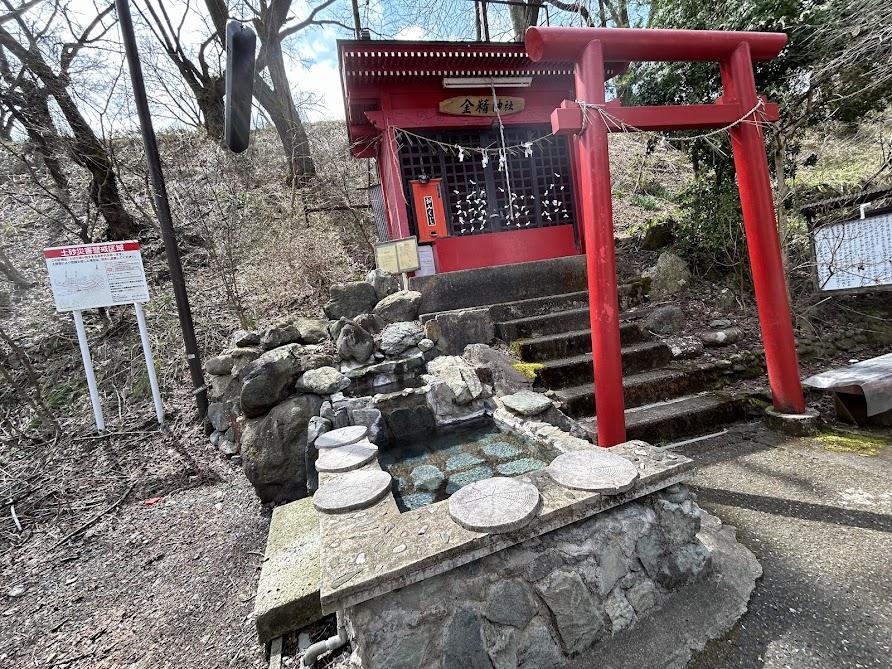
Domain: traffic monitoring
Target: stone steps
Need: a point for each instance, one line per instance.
(654, 385)
(663, 422)
(574, 342)
(577, 369)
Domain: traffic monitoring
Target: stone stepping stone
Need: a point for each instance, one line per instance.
(341, 437)
(427, 477)
(501, 449)
(351, 491)
(462, 462)
(594, 470)
(527, 403)
(457, 481)
(495, 505)
(521, 466)
(346, 458)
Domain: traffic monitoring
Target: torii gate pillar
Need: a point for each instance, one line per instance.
(592, 49)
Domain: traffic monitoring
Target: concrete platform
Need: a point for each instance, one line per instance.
(288, 591)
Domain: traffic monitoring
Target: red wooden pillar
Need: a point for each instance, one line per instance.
(762, 238)
(597, 225)
(392, 185)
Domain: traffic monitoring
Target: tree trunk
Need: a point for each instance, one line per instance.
(9, 270)
(781, 195)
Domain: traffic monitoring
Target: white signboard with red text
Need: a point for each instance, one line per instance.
(88, 276)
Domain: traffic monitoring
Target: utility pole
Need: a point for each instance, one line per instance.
(357, 27)
(162, 206)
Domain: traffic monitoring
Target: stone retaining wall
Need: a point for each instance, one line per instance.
(540, 602)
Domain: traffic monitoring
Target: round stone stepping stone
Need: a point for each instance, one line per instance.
(345, 458)
(341, 437)
(351, 491)
(495, 505)
(460, 480)
(427, 477)
(462, 461)
(595, 470)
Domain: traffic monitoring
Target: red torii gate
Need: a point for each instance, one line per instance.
(592, 49)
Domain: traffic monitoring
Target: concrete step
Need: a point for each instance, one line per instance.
(557, 321)
(574, 342)
(654, 385)
(538, 306)
(663, 422)
(576, 370)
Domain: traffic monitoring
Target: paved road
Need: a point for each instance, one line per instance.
(820, 523)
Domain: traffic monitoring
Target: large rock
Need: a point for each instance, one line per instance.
(724, 337)
(510, 602)
(243, 338)
(279, 335)
(459, 376)
(397, 337)
(354, 343)
(350, 299)
(242, 357)
(400, 306)
(457, 329)
(667, 319)
(527, 403)
(220, 364)
(219, 417)
(383, 282)
(269, 379)
(312, 330)
(658, 235)
(274, 449)
(580, 622)
(505, 378)
(670, 275)
(322, 381)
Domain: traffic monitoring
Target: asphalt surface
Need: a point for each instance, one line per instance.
(820, 524)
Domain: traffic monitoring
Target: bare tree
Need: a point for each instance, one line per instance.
(31, 99)
(274, 25)
(206, 83)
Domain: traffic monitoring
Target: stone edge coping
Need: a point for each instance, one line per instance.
(373, 551)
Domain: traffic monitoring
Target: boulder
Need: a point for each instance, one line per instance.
(684, 347)
(658, 235)
(350, 299)
(269, 379)
(400, 306)
(243, 338)
(312, 330)
(667, 319)
(397, 337)
(457, 329)
(279, 335)
(219, 364)
(579, 620)
(218, 416)
(223, 388)
(527, 403)
(322, 381)
(505, 378)
(465, 647)
(459, 376)
(724, 337)
(383, 282)
(354, 343)
(510, 602)
(369, 322)
(670, 275)
(274, 449)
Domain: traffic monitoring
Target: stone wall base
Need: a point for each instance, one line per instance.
(546, 602)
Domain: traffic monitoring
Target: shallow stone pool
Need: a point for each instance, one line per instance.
(431, 468)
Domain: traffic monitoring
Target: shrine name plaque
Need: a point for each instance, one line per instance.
(481, 105)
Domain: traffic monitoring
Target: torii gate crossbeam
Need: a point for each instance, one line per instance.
(592, 49)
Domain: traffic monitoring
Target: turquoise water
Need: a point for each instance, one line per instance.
(430, 469)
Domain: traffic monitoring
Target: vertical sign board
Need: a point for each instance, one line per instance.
(88, 276)
(853, 255)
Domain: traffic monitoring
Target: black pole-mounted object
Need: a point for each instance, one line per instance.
(241, 43)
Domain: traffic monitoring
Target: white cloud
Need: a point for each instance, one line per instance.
(412, 33)
(323, 80)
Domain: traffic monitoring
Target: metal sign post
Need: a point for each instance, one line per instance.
(89, 276)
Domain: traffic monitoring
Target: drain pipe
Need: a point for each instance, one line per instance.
(332, 643)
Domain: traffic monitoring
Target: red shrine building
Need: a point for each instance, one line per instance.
(438, 117)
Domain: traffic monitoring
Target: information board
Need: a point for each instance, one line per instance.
(854, 254)
(398, 256)
(88, 276)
